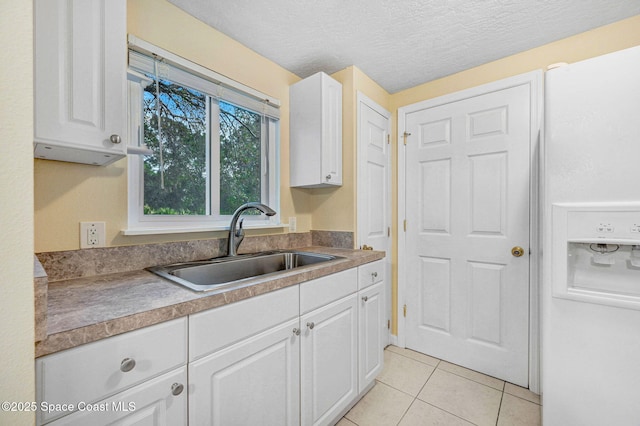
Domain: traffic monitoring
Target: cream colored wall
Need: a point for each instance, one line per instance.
(335, 208)
(610, 38)
(66, 194)
(17, 381)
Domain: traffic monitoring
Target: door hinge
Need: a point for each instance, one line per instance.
(405, 225)
(404, 310)
(388, 138)
(405, 136)
(388, 324)
(388, 231)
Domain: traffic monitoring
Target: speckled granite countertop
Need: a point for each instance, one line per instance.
(88, 309)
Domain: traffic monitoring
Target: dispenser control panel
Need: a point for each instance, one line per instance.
(604, 224)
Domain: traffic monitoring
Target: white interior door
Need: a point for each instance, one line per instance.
(467, 205)
(374, 185)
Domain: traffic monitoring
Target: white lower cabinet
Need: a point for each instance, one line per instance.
(329, 372)
(158, 402)
(254, 382)
(301, 355)
(371, 331)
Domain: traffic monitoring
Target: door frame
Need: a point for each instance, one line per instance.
(534, 80)
(363, 99)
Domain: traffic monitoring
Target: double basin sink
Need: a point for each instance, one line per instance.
(226, 272)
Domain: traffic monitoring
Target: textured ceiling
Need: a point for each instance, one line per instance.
(401, 43)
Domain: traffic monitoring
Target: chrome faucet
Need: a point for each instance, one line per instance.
(236, 237)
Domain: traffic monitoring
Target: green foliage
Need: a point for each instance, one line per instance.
(240, 160)
(185, 125)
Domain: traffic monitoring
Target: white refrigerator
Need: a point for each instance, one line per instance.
(590, 310)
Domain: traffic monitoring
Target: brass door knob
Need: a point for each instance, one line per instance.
(517, 251)
(366, 247)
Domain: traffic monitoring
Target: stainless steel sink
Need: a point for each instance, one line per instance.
(224, 272)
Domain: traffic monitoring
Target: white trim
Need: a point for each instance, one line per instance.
(534, 80)
(363, 99)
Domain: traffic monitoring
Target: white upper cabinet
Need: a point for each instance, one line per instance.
(80, 80)
(316, 132)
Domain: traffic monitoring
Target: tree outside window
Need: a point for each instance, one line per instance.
(207, 153)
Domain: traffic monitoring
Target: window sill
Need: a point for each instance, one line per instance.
(188, 229)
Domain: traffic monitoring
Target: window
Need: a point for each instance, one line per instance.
(212, 149)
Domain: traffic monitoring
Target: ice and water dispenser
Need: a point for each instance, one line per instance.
(596, 253)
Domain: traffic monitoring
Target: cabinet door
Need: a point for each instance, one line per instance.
(158, 402)
(371, 333)
(80, 79)
(329, 376)
(315, 132)
(331, 131)
(254, 382)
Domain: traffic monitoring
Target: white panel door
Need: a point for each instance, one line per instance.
(467, 205)
(254, 382)
(374, 182)
(374, 154)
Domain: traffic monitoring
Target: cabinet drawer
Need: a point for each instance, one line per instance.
(94, 371)
(321, 291)
(216, 328)
(370, 274)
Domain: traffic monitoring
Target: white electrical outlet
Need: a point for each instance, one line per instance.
(292, 224)
(92, 234)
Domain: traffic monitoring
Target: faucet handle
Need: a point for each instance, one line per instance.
(239, 235)
(240, 231)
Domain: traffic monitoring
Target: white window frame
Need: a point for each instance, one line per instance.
(138, 222)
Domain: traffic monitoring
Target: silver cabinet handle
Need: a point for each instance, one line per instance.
(176, 389)
(328, 177)
(296, 331)
(374, 275)
(365, 298)
(310, 325)
(127, 364)
(115, 139)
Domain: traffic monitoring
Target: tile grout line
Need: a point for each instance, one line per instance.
(406, 411)
(499, 408)
(523, 399)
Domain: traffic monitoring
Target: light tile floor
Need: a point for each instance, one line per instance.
(418, 390)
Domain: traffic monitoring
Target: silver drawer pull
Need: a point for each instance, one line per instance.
(310, 325)
(127, 364)
(115, 139)
(328, 177)
(296, 331)
(374, 275)
(177, 389)
(365, 298)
